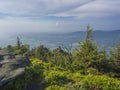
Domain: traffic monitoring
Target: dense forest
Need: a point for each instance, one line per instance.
(85, 68)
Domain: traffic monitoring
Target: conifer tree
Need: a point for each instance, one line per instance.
(18, 43)
(117, 56)
(87, 56)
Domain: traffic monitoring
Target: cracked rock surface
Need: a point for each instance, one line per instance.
(11, 66)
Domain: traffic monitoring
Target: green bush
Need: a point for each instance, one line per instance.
(55, 87)
(103, 82)
(55, 77)
(92, 82)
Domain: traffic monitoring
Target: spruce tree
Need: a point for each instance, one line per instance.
(18, 43)
(117, 56)
(87, 56)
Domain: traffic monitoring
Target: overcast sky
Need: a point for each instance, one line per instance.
(58, 15)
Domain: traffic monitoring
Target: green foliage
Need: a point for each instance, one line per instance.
(55, 77)
(18, 43)
(42, 53)
(54, 87)
(89, 33)
(94, 82)
(85, 69)
(116, 56)
(10, 48)
(58, 59)
(102, 82)
(61, 58)
(36, 69)
(24, 49)
(87, 55)
(92, 71)
(83, 85)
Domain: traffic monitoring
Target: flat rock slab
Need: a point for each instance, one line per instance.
(12, 68)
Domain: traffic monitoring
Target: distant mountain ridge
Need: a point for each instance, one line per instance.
(105, 39)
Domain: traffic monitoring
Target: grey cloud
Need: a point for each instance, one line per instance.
(38, 7)
(101, 7)
(97, 8)
(77, 8)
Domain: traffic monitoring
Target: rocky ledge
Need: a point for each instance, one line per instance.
(11, 66)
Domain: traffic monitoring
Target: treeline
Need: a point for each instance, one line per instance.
(87, 61)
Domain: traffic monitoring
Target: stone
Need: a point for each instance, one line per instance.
(11, 66)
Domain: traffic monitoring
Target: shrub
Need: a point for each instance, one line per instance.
(55, 87)
(55, 77)
(92, 82)
(103, 82)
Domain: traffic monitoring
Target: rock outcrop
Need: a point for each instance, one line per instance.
(11, 66)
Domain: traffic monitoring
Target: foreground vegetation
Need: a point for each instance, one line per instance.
(87, 68)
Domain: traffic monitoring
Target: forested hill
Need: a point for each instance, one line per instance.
(102, 38)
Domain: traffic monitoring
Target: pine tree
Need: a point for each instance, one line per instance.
(41, 52)
(117, 56)
(18, 43)
(89, 33)
(87, 56)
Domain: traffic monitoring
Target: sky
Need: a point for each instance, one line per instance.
(58, 15)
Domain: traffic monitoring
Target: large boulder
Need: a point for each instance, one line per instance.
(11, 66)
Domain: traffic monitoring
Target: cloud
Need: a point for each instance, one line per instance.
(59, 8)
(9, 26)
(38, 7)
(97, 8)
